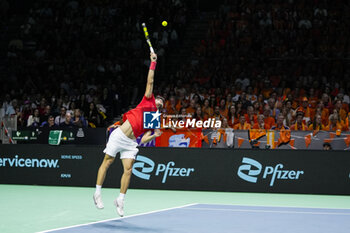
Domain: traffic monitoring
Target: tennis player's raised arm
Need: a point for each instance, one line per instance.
(148, 137)
(150, 77)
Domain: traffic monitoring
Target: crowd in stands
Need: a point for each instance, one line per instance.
(271, 65)
(84, 60)
(262, 64)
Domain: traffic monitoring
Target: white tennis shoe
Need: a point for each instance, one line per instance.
(98, 201)
(119, 204)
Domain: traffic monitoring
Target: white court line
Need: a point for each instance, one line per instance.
(119, 218)
(276, 206)
(269, 211)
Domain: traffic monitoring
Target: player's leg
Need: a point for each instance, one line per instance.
(111, 150)
(101, 175)
(125, 180)
(124, 184)
(127, 156)
(102, 171)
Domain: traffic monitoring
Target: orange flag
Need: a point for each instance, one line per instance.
(284, 137)
(255, 134)
(205, 138)
(221, 133)
(307, 140)
(291, 142)
(240, 141)
(347, 140)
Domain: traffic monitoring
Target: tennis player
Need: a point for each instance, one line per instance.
(123, 140)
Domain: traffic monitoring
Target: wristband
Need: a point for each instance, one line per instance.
(153, 65)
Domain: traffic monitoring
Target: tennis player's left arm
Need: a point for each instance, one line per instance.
(150, 77)
(148, 137)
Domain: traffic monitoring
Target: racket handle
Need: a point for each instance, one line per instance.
(151, 49)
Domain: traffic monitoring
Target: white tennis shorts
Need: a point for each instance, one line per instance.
(118, 142)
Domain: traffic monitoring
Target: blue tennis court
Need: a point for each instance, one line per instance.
(225, 218)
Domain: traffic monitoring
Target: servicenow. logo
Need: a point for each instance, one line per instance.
(144, 167)
(28, 162)
(251, 169)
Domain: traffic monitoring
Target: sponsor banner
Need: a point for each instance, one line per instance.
(180, 138)
(318, 172)
(243, 170)
(50, 165)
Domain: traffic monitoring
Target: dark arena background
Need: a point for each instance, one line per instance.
(275, 76)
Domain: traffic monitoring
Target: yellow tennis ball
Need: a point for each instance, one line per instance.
(164, 23)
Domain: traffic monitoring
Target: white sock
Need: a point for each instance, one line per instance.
(98, 189)
(121, 196)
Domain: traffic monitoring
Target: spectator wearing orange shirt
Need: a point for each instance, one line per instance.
(182, 102)
(233, 117)
(338, 106)
(239, 108)
(280, 124)
(273, 104)
(261, 102)
(317, 124)
(346, 125)
(217, 114)
(250, 95)
(198, 115)
(250, 117)
(327, 102)
(323, 111)
(293, 101)
(225, 124)
(223, 109)
(242, 125)
(207, 110)
(170, 106)
(269, 120)
(334, 122)
(288, 112)
(305, 109)
(192, 108)
(299, 124)
(267, 90)
(261, 123)
(257, 108)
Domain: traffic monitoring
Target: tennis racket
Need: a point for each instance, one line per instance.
(147, 37)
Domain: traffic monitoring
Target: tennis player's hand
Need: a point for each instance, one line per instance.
(157, 132)
(153, 57)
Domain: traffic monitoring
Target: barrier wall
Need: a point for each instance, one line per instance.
(86, 136)
(290, 171)
(206, 138)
